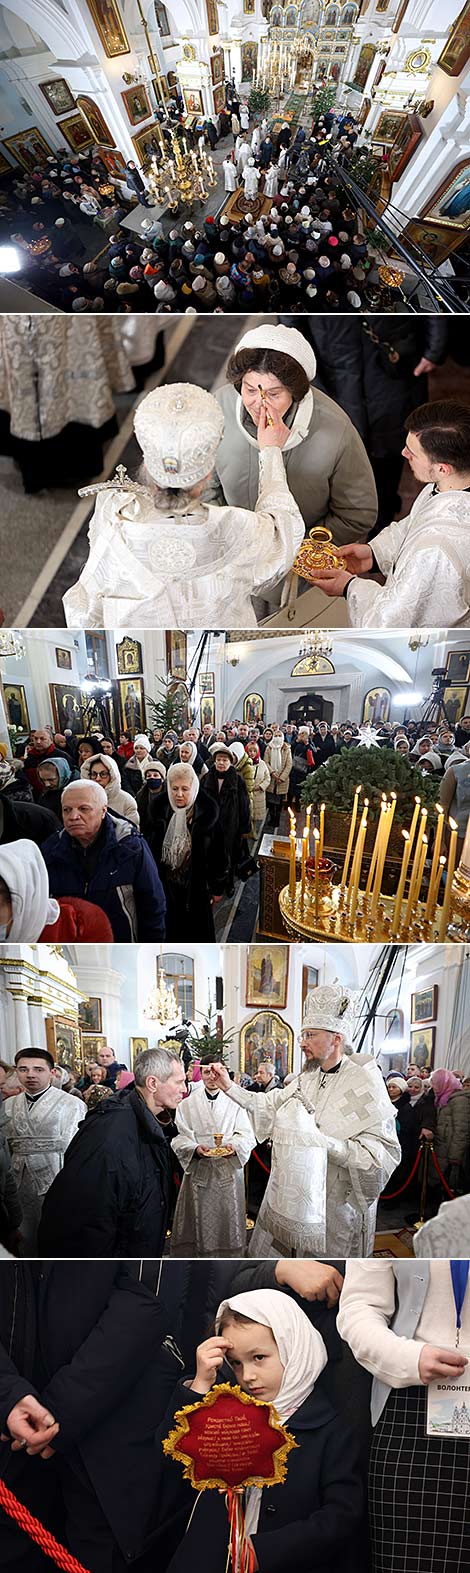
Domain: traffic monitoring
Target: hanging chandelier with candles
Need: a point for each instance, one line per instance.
(316, 644)
(161, 1005)
(11, 644)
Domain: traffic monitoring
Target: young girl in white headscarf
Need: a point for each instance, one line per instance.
(266, 1344)
(192, 867)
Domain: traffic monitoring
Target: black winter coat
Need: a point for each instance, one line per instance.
(26, 820)
(407, 1132)
(376, 393)
(234, 809)
(154, 812)
(89, 1345)
(112, 1196)
(11, 1211)
(306, 1523)
(188, 904)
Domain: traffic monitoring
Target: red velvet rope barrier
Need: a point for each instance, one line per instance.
(36, 1531)
(441, 1176)
(390, 1194)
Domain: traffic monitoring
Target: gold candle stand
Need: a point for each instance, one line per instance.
(333, 920)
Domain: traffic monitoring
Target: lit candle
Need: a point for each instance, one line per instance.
(435, 889)
(396, 924)
(383, 849)
(352, 828)
(316, 837)
(304, 862)
(292, 864)
(322, 828)
(414, 871)
(419, 876)
(360, 849)
(435, 862)
(352, 880)
(445, 914)
(415, 819)
(375, 851)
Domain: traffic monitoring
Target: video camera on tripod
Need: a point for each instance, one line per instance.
(435, 710)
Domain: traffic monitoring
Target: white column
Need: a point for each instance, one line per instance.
(22, 1023)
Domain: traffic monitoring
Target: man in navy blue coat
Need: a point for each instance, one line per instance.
(102, 858)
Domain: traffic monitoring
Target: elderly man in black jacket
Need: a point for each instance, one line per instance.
(87, 1365)
(112, 1197)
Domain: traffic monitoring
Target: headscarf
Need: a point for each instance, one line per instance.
(444, 1083)
(177, 843)
(23, 868)
(301, 1351)
(398, 1081)
(122, 802)
(237, 751)
(188, 744)
(401, 739)
(7, 773)
(61, 765)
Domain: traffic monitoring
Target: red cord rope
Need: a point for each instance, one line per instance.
(260, 1161)
(36, 1531)
(388, 1195)
(441, 1176)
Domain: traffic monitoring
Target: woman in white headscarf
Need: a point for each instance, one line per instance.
(278, 758)
(189, 755)
(268, 1346)
(193, 863)
(161, 557)
(29, 913)
(102, 768)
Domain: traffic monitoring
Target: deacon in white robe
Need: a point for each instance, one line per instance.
(39, 1130)
(256, 140)
(230, 174)
(271, 181)
(210, 1217)
(242, 156)
(159, 556)
(334, 1142)
(250, 179)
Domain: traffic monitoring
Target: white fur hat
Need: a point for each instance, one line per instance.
(330, 1008)
(179, 428)
(141, 741)
(287, 341)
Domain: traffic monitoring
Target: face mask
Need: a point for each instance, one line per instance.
(154, 784)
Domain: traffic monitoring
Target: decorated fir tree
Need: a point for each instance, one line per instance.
(379, 770)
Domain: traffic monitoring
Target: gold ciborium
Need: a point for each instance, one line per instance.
(391, 276)
(317, 551)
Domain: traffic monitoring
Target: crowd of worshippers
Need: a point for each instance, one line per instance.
(97, 1367)
(141, 838)
(146, 1142)
(307, 253)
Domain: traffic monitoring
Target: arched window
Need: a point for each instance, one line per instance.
(179, 971)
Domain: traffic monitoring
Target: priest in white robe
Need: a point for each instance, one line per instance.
(271, 181)
(334, 1141)
(210, 1217)
(159, 556)
(41, 1122)
(250, 179)
(425, 558)
(230, 173)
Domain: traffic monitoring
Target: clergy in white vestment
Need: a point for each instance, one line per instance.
(250, 179)
(210, 1217)
(230, 173)
(41, 1122)
(334, 1140)
(425, 558)
(271, 181)
(161, 557)
(243, 155)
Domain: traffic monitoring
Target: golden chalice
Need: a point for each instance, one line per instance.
(392, 276)
(317, 551)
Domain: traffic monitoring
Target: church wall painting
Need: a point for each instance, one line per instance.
(110, 27)
(64, 659)
(207, 710)
(90, 1014)
(28, 147)
(436, 240)
(64, 1042)
(424, 1005)
(266, 1037)
(364, 63)
(456, 50)
(404, 146)
(137, 104)
(249, 60)
(137, 1046)
(376, 706)
(76, 132)
(212, 17)
(455, 700)
(267, 973)
(206, 683)
(57, 95)
(451, 203)
(132, 704)
(67, 708)
(95, 120)
(176, 653)
(422, 1044)
(129, 656)
(458, 666)
(16, 706)
(218, 95)
(388, 126)
(253, 709)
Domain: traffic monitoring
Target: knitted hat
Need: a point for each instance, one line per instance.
(179, 428)
(153, 764)
(330, 1008)
(287, 341)
(400, 1081)
(220, 748)
(141, 741)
